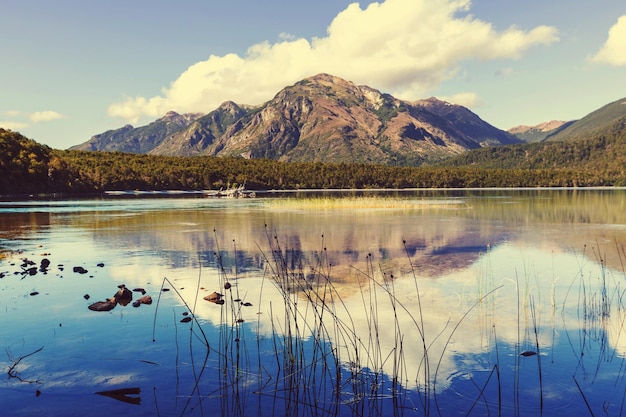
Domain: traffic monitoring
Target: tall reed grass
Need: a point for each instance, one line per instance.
(322, 365)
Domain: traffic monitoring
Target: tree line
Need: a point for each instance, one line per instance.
(27, 167)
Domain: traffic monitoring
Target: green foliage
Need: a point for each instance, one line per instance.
(96, 171)
(23, 164)
(604, 153)
(27, 167)
(388, 111)
(611, 117)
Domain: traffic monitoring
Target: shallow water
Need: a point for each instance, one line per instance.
(428, 303)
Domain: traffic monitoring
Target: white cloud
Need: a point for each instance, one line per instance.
(504, 72)
(24, 119)
(15, 126)
(403, 47)
(13, 113)
(286, 36)
(45, 116)
(613, 52)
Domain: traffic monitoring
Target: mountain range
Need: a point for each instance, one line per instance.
(321, 118)
(326, 118)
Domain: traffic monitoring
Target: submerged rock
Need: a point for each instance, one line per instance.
(124, 395)
(107, 305)
(146, 299)
(44, 265)
(123, 296)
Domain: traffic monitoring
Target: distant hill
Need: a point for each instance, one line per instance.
(539, 132)
(595, 143)
(138, 140)
(321, 118)
(606, 120)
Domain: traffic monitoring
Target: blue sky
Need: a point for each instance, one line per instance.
(75, 68)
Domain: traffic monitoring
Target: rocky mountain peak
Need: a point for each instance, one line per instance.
(320, 118)
(437, 105)
(542, 127)
(179, 119)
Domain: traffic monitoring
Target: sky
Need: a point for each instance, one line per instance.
(71, 69)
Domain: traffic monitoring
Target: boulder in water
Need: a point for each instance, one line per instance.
(107, 305)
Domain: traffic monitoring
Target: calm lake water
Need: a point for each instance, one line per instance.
(443, 303)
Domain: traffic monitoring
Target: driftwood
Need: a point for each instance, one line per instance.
(12, 372)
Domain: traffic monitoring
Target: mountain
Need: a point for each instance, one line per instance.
(202, 133)
(138, 140)
(539, 132)
(468, 122)
(608, 119)
(325, 118)
(594, 144)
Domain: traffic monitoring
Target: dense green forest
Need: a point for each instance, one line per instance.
(605, 151)
(27, 167)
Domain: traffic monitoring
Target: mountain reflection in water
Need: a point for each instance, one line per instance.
(505, 302)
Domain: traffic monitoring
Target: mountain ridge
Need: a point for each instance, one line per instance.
(609, 118)
(138, 140)
(320, 118)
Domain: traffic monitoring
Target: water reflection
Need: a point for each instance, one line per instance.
(426, 310)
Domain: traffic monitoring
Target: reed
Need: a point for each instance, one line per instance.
(323, 363)
(365, 203)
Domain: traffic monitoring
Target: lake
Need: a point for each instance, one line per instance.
(421, 302)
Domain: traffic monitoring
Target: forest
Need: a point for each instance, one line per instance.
(27, 167)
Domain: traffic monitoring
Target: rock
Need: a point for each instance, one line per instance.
(123, 296)
(45, 263)
(80, 270)
(107, 305)
(214, 297)
(146, 299)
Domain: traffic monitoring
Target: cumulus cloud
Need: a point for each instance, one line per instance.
(45, 116)
(403, 47)
(613, 52)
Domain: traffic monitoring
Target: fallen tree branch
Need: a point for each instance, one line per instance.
(12, 372)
